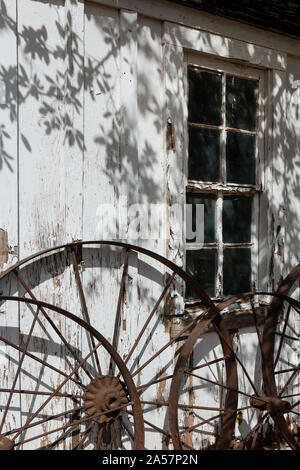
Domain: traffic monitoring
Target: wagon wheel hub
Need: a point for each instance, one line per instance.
(105, 394)
(6, 444)
(271, 404)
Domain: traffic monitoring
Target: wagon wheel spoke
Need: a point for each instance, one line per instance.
(119, 306)
(157, 428)
(57, 441)
(83, 303)
(169, 343)
(127, 430)
(198, 425)
(47, 433)
(35, 358)
(165, 433)
(36, 392)
(256, 324)
(293, 338)
(168, 377)
(296, 404)
(60, 428)
(162, 295)
(113, 434)
(219, 384)
(49, 320)
(207, 364)
(284, 371)
(19, 369)
(237, 359)
(56, 390)
(188, 407)
(69, 425)
(255, 429)
(282, 337)
(100, 436)
(256, 432)
(296, 370)
(148, 384)
(43, 421)
(80, 444)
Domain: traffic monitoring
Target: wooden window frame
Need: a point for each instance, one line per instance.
(209, 64)
(180, 42)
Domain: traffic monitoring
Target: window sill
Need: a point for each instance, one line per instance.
(199, 186)
(238, 316)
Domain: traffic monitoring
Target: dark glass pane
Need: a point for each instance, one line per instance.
(240, 158)
(241, 103)
(202, 265)
(237, 270)
(204, 154)
(205, 97)
(237, 219)
(209, 202)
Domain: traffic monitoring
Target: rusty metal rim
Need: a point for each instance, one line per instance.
(137, 409)
(179, 271)
(228, 418)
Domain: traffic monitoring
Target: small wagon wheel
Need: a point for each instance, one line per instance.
(258, 402)
(156, 369)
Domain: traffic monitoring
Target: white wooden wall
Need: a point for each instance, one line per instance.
(87, 89)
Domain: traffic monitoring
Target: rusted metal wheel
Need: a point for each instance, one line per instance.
(266, 412)
(281, 359)
(39, 280)
(218, 372)
(102, 401)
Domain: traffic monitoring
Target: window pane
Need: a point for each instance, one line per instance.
(204, 154)
(202, 265)
(209, 202)
(237, 270)
(240, 158)
(205, 97)
(237, 219)
(241, 103)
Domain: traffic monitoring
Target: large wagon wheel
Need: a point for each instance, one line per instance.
(261, 402)
(102, 378)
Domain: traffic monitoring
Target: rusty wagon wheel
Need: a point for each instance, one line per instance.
(103, 400)
(281, 359)
(69, 276)
(260, 362)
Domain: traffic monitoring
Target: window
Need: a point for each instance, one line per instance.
(225, 116)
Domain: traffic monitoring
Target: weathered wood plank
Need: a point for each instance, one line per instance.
(8, 135)
(176, 118)
(274, 15)
(43, 183)
(9, 173)
(223, 46)
(201, 20)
